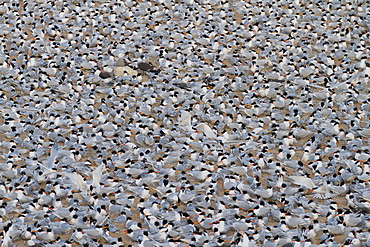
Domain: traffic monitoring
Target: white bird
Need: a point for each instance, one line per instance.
(186, 195)
(242, 226)
(364, 133)
(304, 181)
(307, 71)
(7, 241)
(336, 229)
(186, 119)
(96, 177)
(323, 192)
(363, 206)
(46, 236)
(88, 65)
(53, 155)
(79, 181)
(208, 131)
(95, 233)
(200, 175)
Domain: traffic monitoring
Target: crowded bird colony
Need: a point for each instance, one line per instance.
(184, 123)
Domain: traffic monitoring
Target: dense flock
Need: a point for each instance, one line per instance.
(184, 123)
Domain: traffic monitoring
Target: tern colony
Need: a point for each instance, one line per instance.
(184, 123)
